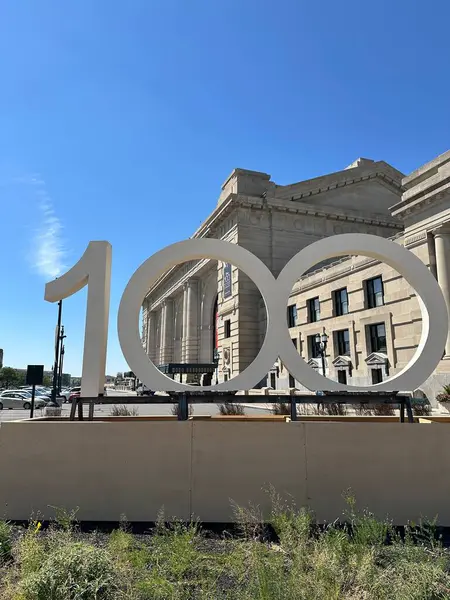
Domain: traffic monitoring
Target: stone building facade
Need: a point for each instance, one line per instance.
(204, 310)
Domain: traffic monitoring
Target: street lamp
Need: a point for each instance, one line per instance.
(216, 357)
(61, 359)
(322, 341)
(57, 355)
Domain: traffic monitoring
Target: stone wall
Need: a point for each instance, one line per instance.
(196, 469)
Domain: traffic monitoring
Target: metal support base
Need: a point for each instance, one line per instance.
(184, 399)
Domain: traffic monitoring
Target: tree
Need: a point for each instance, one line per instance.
(9, 378)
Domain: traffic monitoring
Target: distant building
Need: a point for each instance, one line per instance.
(202, 310)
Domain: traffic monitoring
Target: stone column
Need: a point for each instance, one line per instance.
(167, 332)
(191, 322)
(151, 335)
(442, 243)
(184, 323)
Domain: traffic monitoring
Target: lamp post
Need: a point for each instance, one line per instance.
(56, 363)
(322, 342)
(61, 359)
(216, 357)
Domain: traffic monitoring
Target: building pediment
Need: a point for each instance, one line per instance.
(314, 363)
(377, 359)
(342, 362)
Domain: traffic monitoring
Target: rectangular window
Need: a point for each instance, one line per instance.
(375, 292)
(294, 341)
(292, 315)
(343, 342)
(227, 328)
(313, 310)
(273, 381)
(377, 375)
(291, 381)
(377, 334)
(342, 376)
(340, 302)
(313, 347)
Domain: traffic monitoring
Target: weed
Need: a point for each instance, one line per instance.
(122, 410)
(5, 541)
(176, 409)
(230, 408)
(360, 558)
(281, 408)
(384, 410)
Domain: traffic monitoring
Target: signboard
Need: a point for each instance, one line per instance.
(177, 368)
(35, 375)
(227, 281)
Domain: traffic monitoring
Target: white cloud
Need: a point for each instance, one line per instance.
(48, 251)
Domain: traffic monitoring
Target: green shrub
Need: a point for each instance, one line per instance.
(421, 408)
(75, 571)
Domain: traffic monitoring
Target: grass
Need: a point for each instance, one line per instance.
(286, 556)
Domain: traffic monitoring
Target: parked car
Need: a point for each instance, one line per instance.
(143, 390)
(15, 399)
(65, 393)
(39, 392)
(46, 395)
(74, 393)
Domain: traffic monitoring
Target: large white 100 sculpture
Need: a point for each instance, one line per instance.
(94, 269)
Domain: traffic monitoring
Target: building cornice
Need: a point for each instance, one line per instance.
(326, 212)
(334, 184)
(422, 201)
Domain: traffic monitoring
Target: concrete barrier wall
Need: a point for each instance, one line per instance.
(198, 467)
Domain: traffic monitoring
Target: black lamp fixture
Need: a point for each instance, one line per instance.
(322, 340)
(216, 355)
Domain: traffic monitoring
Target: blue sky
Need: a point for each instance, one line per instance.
(119, 121)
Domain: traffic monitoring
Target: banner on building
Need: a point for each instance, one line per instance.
(227, 287)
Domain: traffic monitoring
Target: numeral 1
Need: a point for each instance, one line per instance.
(94, 270)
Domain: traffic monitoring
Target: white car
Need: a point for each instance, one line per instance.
(17, 399)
